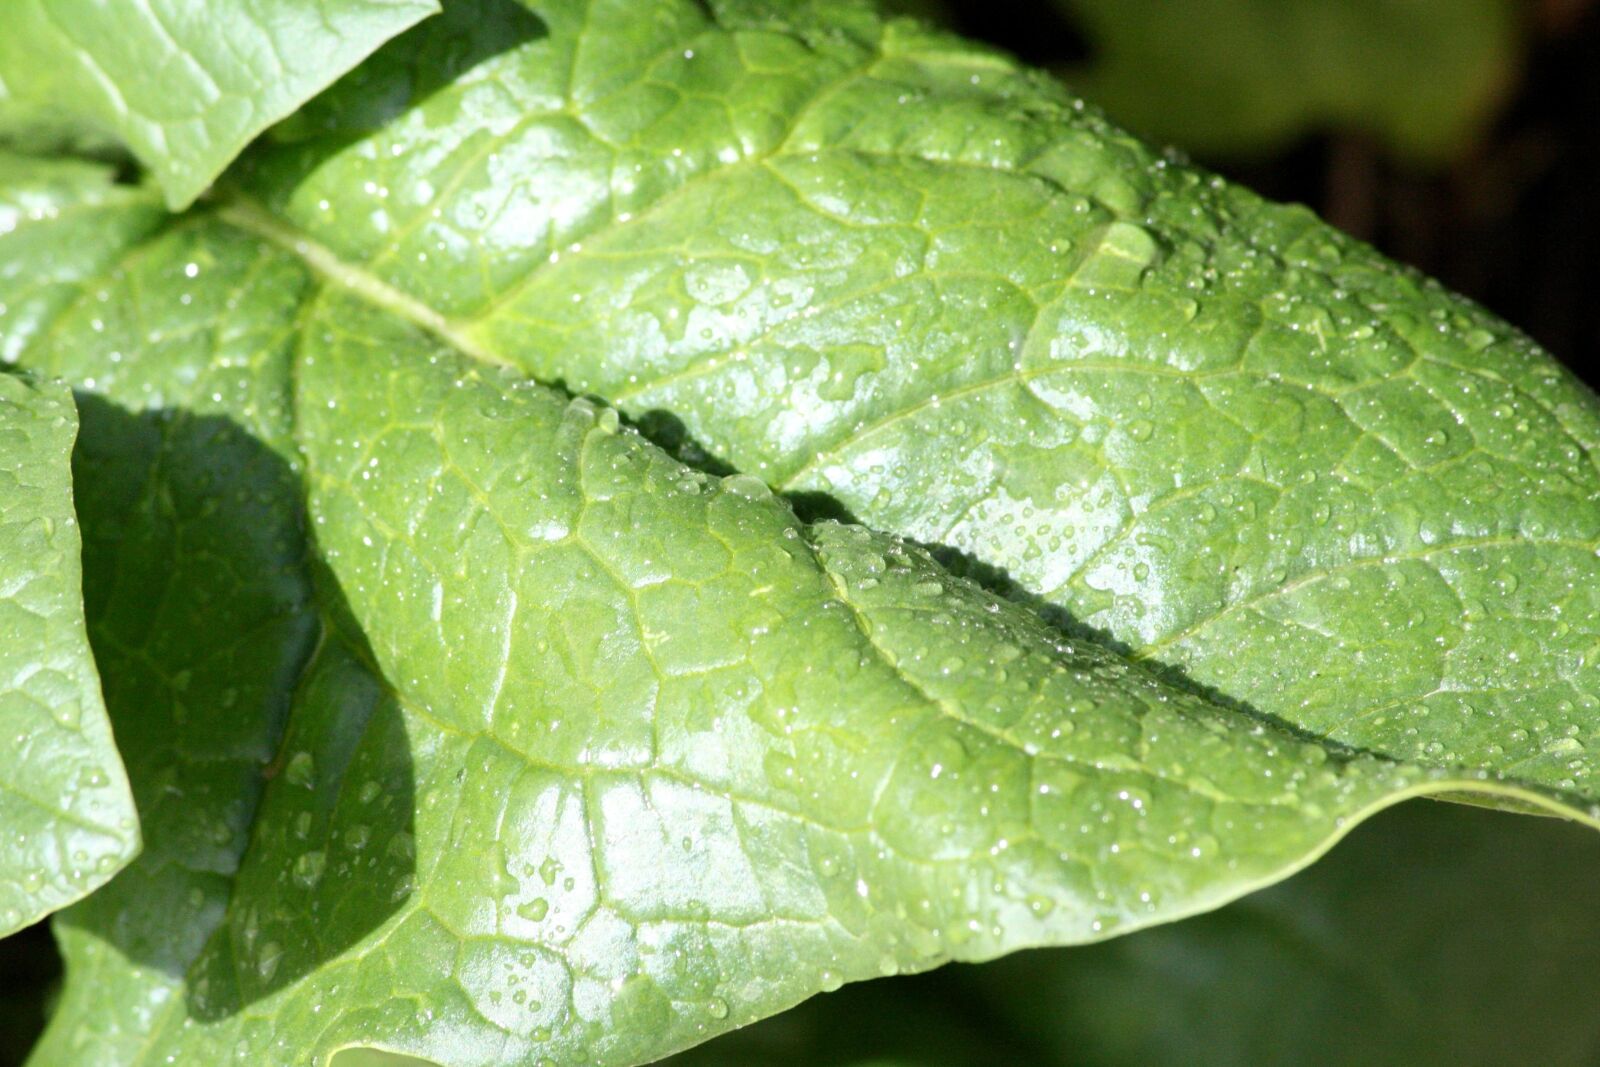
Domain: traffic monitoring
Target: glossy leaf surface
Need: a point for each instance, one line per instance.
(182, 84)
(869, 262)
(66, 820)
(466, 723)
(484, 731)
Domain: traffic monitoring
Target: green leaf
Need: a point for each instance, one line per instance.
(466, 724)
(67, 821)
(878, 267)
(1435, 934)
(183, 84)
(61, 222)
(1243, 76)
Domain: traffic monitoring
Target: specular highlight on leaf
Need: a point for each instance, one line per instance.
(67, 823)
(183, 85)
(544, 745)
(863, 259)
(467, 725)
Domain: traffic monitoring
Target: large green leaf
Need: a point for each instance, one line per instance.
(466, 724)
(67, 821)
(184, 84)
(525, 742)
(1239, 76)
(1435, 934)
(874, 263)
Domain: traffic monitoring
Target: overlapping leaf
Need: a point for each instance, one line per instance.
(183, 84)
(875, 263)
(526, 742)
(66, 819)
(464, 723)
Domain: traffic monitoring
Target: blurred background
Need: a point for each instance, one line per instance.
(1461, 137)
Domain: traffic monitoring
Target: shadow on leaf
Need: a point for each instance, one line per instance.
(669, 432)
(268, 758)
(408, 70)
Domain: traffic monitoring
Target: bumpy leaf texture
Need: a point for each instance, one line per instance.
(869, 261)
(182, 84)
(67, 821)
(522, 741)
(464, 722)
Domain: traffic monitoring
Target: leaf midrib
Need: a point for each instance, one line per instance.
(248, 215)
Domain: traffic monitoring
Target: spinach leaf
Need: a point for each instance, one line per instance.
(466, 724)
(183, 84)
(1453, 935)
(67, 821)
(872, 262)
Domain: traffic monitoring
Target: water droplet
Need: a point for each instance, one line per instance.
(308, 869)
(746, 486)
(1562, 746)
(301, 770)
(267, 960)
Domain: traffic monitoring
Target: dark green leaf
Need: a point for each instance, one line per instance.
(1242, 76)
(466, 724)
(1434, 935)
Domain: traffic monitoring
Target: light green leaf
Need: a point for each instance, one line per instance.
(183, 84)
(62, 222)
(1242, 76)
(1435, 934)
(525, 742)
(66, 819)
(875, 265)
(466, 724)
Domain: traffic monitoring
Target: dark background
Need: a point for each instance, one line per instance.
(1509, 220)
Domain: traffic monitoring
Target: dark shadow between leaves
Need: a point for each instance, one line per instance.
(405, 73)
(999, 582)
(669, 432)
(268, 759)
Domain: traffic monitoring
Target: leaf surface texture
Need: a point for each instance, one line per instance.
(466, 722)
(67, 821)
(182, 84)
(485, 731)
(874, 263)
